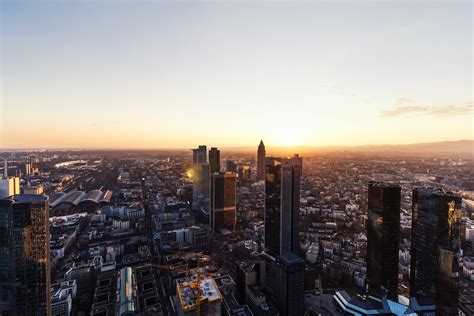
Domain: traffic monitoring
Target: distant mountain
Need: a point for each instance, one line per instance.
(459, 147)
(446, 147)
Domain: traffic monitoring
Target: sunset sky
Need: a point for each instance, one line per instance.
(131, 74)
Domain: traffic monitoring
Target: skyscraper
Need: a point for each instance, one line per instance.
(282, 204)
(223, 201)
(201, 186)
(231, 166)
(24, 256)
(200, 178)
(383, 233)
(284, 269)
(215, 160)
(200, 154)
(9, 186)
(261, 161)
(435, 246)
(28, 166)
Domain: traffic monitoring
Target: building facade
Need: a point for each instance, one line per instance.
(434, 271)
(9, 186)
(383, 234)
(200, 154)
(261, 161)
(282, 204)
(214, 160)
(223, 201)
(24, 256)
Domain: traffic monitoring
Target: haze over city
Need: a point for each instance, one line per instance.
(102, 74)
(236, 158)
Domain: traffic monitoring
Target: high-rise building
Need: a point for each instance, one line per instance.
(201, 186)
(284, 269)
(261, 161)
(434, 271)
(222, 212)
(24, 256)
(9, 186)
(282, 204)
(231, 166)
(284, 280)
(200, 154)
(28, 166)
(5, 168)
(383, 233)
(200, 178)
(215, 160)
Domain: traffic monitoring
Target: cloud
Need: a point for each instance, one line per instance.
(402, 100)
(402, 108)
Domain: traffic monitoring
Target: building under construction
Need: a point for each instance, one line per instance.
(198, 297)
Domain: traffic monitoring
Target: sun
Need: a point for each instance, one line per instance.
(292, 136)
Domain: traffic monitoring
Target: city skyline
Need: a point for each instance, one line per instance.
(113, 76)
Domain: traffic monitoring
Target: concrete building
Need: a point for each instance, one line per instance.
(9, 186)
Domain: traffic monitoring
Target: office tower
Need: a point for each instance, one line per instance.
(9, 186)
(201, 186)
(24, 256)
(282, 204)
(200, 178)
(200, 154)
(215, 160)
(383, 233)
(231, 166)
(223, 201)
(261, 161)
(435, 245)
(28, 166)
(5, 169)
(284, 280)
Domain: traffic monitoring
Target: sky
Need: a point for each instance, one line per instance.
(165, 74)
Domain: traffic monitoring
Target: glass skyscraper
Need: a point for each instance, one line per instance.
(282, 204)
(261, 161)
(435, 247)
(222, 212)
(24, 256)
(383, 233)
(214, 160)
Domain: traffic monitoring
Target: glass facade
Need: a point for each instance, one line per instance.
(223, 201)
(383, 233)
(282, 198)
(435, 246)
(24, 236)
(215, 160)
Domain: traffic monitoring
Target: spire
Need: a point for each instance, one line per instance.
(5, 169)
(261, 143)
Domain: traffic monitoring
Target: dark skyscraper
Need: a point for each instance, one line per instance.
(200, 154)
(383, 233)
(214, 160)
(201, 186)
(231, 166)
(200, 178)
(284, 269)
(282, 204)
(223, 201)
(261, 161)
(435, 250)
(24, 256)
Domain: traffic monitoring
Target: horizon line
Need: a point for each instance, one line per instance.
(246, 147)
